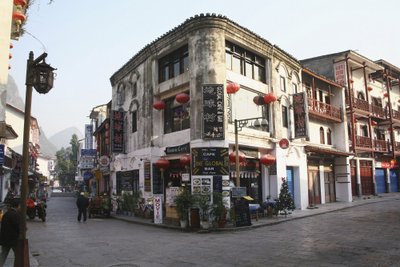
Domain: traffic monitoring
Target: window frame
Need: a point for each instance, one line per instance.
(176, 61)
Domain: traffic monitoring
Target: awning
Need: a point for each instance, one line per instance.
(329, 151)
(6, 131)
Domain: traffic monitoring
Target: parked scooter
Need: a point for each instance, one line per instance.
(36, 208)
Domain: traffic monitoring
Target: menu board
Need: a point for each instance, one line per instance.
(202, 185)
(210, 161)
(242, 213)
(300, 115)
(213, 111)
(217, 183)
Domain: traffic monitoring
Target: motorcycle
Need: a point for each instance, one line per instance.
(36, 208)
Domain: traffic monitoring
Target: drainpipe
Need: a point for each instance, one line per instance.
(388, 88)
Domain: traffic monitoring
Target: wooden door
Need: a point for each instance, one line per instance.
(367, 185)
(314, 195)
(330, 195)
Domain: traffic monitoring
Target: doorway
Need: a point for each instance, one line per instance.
(314, 187)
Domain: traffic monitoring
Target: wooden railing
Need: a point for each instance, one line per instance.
(378, 112)
(360, 104)
(363, 141)
(396, 115)
(324, 109)
(380, 145)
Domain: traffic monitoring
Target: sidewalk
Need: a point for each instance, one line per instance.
(265, 221)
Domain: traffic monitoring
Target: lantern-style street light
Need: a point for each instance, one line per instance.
(39, 75)
(239, 124)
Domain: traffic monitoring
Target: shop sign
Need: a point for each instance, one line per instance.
(88, 152)
(1, 154)
(104, 161)
(284, 143)
(87, 175)
(185, 177)
(210, 161)
(158, 214)
(185, 148)
(300, 108)
(89, 136)
(117, 127)
(213, 111)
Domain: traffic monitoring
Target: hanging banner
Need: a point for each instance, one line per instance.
(213, 111)
(300, 109)
(117, 127)
(158, 214)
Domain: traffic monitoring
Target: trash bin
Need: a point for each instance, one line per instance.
(195, 218)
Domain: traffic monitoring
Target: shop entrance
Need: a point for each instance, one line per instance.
(314, 188)
(367, 185)
(330, 195)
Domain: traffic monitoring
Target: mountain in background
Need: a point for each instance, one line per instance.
(63, 138)
(48, 146)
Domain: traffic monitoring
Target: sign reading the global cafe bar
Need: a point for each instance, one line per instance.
(210, 161)
(213, 111)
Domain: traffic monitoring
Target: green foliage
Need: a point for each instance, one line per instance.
(219, 209)
(184, 201)
(285, 201)
(66, 164)
(130, 201)
(204, 205)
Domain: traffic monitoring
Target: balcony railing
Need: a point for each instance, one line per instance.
(363, 142)
(396, 115)
(378, 112)
(360, 104)
(324, 110)
(380, 145)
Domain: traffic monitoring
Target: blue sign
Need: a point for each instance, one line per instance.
(88, 152)
(1, 154)
(87, 176)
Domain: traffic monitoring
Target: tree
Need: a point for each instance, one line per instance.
(285, 201)
(66, 165)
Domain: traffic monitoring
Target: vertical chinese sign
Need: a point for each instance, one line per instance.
(213, 111)
(117, 136)
(89, 136)
(300, 108)
(340, 73)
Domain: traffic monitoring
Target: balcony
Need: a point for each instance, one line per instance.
(363, 142)
(319, 109)
(396, 115)
(381, 145)
(378, 112)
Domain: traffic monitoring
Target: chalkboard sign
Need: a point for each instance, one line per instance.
(242, 213)
(213, 111)
(239, 191)
(157, 181)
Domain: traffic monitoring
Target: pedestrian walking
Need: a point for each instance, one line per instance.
(82, 203)
(9, 232)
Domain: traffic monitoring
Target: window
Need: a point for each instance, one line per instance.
(120, 95)
(244, 62)
(285, 122)
(283, 84)
(173, 64)
(134, 121)
(329, 137)
(321, 135)
(294, 88)
(176, 116)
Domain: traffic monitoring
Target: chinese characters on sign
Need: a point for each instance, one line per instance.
(300, 115)
(340, 73)
(213, 111)
(117, 131)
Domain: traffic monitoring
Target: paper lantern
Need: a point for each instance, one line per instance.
(184, 160)
(232, 88)
(374, 123)
(20, 2)
(182, 98)
(162, 163)
(232, 156)
(267, 159)
(386, 94)
(159, 105)
(269, 98)
(258, 100)
(369, 88)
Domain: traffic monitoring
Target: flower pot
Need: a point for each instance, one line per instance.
(183, 223)
(205, 225)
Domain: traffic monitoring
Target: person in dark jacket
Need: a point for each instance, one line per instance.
(9, 232)
(82, 203)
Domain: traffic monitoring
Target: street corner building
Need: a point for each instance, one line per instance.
(214, 107)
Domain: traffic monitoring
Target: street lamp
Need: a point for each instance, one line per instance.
(39, 75)
(239, 124)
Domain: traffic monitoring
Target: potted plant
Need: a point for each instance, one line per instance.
(205, 208)
(183, 202)
(219, 209)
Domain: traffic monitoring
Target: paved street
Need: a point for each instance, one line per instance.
(365, 235)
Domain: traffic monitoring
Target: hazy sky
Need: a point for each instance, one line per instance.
(88, 41)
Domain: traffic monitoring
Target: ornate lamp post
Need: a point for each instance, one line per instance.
(239, 124)
(39, 75)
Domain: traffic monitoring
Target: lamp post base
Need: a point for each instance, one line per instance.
(22, 257)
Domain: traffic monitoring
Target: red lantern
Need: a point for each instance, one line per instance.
(393, 162)
(258, 100)
(184, 160)
(269, 98)
(18, 16)
(162, 163)
(232, 156)
(351, 81)
(232, 88)
(369, 88)
(182, 98)
(398, 101)
(374, 123)
(159, 105)
(20, 2)
(386, 94)
(267, 159)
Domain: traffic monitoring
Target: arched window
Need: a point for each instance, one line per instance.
(120, 94)
(321, 135)
(329, 137)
